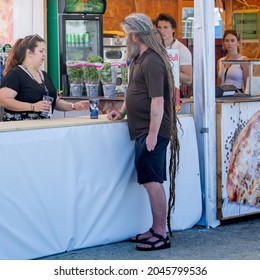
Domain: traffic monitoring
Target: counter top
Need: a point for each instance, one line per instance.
(117, 98)
(186, 100)
(237, 99)
(120, 98)
(52, 123)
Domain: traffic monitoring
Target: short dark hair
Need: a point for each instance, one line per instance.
(168, 18)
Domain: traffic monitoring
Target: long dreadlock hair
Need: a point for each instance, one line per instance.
(142, 26)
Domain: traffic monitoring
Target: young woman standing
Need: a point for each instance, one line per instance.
(232, 74)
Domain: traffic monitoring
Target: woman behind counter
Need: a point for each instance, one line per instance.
(24, 85)
(234, 74)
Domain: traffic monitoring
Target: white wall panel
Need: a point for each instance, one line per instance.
(28, 16)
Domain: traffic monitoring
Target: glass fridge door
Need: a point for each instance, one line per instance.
(82, 39)
(80, 36)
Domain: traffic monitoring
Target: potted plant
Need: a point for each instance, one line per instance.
(124, 76)
(75, 74)
(91, 77)
(107, 75)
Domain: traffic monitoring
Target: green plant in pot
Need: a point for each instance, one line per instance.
(124, 73)
(91, 76)
(107, 76)
(75, 74)
(124, 77)
(105, 73)
(90, 69)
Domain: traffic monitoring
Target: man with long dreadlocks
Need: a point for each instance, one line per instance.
(152, 122)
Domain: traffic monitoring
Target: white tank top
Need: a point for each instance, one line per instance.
(234, 74)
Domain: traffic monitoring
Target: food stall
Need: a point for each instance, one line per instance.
(70, 183)
(238, 148)
(215, 119)
(238, 145)
(64, 182)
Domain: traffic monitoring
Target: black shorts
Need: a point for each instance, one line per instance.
(150, 166)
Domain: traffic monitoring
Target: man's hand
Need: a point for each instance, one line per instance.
(151, 141)
(114, 115)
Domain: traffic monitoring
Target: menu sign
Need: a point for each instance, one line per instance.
(85, 6)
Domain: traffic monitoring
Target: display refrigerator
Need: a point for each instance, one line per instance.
(80, 33)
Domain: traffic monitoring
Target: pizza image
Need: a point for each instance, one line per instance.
(243, 178)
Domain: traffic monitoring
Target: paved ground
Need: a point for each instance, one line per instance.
(239, 240)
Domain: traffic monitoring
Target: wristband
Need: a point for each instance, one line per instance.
(73, 106)
(123, 114)
(32, 107)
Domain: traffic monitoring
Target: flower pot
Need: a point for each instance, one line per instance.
(124, 88)
(76, 89)
(92, 90)
(109, 90)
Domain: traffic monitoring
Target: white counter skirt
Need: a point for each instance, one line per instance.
(73, 185)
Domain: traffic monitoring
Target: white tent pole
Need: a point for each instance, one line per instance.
(204, 103)
(205, 128)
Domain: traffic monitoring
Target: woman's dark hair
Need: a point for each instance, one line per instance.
(233, 32)
(18, 51)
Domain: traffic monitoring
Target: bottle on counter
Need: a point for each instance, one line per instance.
(93, 106)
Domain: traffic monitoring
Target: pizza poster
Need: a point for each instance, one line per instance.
(240, 154)
(174, 59)
(6, 22)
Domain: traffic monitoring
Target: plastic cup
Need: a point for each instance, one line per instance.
(47, 113)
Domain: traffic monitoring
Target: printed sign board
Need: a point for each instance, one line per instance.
(238, 159)
(174, 58)
(85, 6)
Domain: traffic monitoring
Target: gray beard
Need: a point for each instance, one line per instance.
(132, 51)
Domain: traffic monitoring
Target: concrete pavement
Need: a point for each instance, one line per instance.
(239, 240)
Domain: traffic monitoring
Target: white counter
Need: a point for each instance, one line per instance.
(71, 183)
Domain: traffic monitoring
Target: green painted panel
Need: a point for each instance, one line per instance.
(247, 25)
(53, 42)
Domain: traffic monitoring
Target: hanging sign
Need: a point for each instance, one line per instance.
(85, 6)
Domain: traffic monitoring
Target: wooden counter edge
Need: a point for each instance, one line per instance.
(61, 122)
(53, 123)
(237, 99)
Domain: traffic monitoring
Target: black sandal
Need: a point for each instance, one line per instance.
(166, 243)
(137, 240)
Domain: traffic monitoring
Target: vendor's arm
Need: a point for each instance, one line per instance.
(155, 123)
(186, 74)
(8, 101)
(116, 115)
(62, 105)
